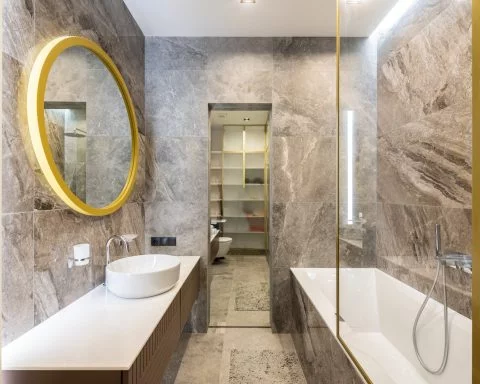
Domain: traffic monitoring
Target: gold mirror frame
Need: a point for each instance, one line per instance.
(38, 130)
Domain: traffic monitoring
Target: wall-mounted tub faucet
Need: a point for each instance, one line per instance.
(456, 260)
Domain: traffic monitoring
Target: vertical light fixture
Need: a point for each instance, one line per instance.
(349, 167)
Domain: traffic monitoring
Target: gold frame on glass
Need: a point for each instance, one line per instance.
(38, 130)
(475, 196)
(476, 190)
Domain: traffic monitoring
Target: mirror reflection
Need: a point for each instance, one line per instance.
(88, 127)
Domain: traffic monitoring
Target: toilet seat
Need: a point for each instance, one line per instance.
(225, 239)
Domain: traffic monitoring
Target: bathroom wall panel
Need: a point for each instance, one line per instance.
(175, 103)
(52, 229)
(297, 75)
(17, 275)
(323, 359)
(18, 187)
(302, 169)
(424, 144)
(303, 234)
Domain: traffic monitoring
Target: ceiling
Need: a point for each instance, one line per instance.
(265, 18)
(221, 118)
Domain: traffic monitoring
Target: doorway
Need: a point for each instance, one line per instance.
(239, 175)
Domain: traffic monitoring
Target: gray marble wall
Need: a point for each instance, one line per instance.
(323, 359)
(296, 75)
(424, 144)
(39, 231)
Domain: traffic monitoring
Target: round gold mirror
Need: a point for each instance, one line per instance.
(82, 125)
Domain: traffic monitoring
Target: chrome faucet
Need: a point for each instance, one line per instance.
(123, 241)
(452, 259)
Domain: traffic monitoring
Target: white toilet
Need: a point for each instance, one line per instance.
(224, 246)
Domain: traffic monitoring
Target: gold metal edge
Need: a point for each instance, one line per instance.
(37, 127)
(476, 191)
(337, 239)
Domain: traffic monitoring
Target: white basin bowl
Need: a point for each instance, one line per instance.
(142, 276)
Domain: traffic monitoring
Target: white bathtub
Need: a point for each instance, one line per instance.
(378, 312)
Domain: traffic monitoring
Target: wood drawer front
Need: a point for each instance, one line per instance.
(150, 364)
(61, 377)
(189, 293)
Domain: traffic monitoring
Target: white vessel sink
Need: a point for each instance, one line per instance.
(142, 276)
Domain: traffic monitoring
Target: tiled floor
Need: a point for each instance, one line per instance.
(239, 292)
(238, 356)
(239, 347)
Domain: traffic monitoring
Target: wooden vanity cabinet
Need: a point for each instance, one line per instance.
(149, 365)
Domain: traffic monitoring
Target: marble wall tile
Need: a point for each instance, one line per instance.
(175, 53)
(17, 280)
(321, 356)
(117, 13)
(303, 234)
(427, 161)
(304, 53)
(304, 103)
(180, 169)
(239, 86)
(405, 82)
(410, 25)
(281, 300)
(56, 285)
(18, 28)
(187, 221)
(408, 231)
(18, 192)
(176, 103)
(242, 54)
(303, 169)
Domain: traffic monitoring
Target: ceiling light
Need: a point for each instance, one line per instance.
(248, 1)
(246, 119)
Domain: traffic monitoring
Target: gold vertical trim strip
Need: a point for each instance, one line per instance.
(476, 191)
(337, 211)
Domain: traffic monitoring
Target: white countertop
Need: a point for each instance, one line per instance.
(99, 331)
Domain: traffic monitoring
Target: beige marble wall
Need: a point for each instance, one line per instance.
(424, 144)
(39, 231)
(295, 75)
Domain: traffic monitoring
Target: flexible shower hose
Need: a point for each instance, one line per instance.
(439, 370)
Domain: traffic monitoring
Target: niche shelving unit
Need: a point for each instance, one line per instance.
(239, 184)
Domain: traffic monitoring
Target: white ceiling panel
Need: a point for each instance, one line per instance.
(265, 18)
